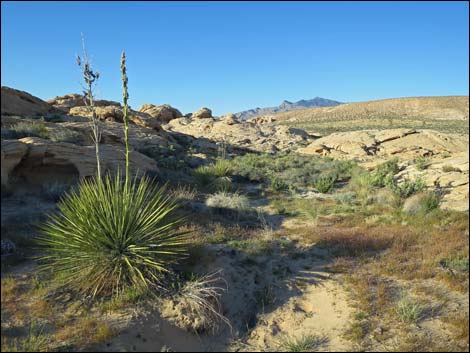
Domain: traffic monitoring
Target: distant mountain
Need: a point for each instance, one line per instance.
(287, 106)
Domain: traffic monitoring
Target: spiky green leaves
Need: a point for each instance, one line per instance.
(109, 235)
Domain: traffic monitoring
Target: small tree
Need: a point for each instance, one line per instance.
(90, 76)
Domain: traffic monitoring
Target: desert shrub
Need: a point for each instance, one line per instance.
(384, 172)
(225, 200)
(291, 168)
(65, 135)
(422, 163)
(448, 168)
(407, 187)
(34, 128)
(109, 236)
(324, 184)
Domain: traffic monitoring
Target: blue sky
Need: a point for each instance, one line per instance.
(231, 56)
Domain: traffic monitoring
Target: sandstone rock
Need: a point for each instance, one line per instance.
(44, 161)
(12, 153)
(68, 101)
(229, 119)
(163, 113)
(16, 102)
(112, 133)
(241, 135)
(114, 113)
(203, 113)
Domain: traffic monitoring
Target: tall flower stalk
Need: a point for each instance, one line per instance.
(90, 76)
(125, 97)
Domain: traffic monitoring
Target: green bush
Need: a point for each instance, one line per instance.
(407, 187)
(324, 184)
(292, 169)
(109, 236)
(384, 173)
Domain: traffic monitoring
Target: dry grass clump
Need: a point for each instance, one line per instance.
(195, 304)
(228, 201)
(305, 343)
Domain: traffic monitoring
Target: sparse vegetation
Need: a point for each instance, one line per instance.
(448, 168)
(65, 135)
(302, 344)
(422, 163)
(409, 310)
(33, 128)
(228, 201)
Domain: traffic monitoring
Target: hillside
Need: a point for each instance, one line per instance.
(448, 114)
(287, 106)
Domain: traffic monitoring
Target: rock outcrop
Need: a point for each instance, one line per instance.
(203, 113)
(162, 113)
(16, 102)
(35, 161)
(114, 113)
(370, 144)
(68, 101)
(241, 134)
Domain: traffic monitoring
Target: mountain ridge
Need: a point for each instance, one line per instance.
(287, 106)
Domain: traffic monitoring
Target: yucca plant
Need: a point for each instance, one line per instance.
(109, 235)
